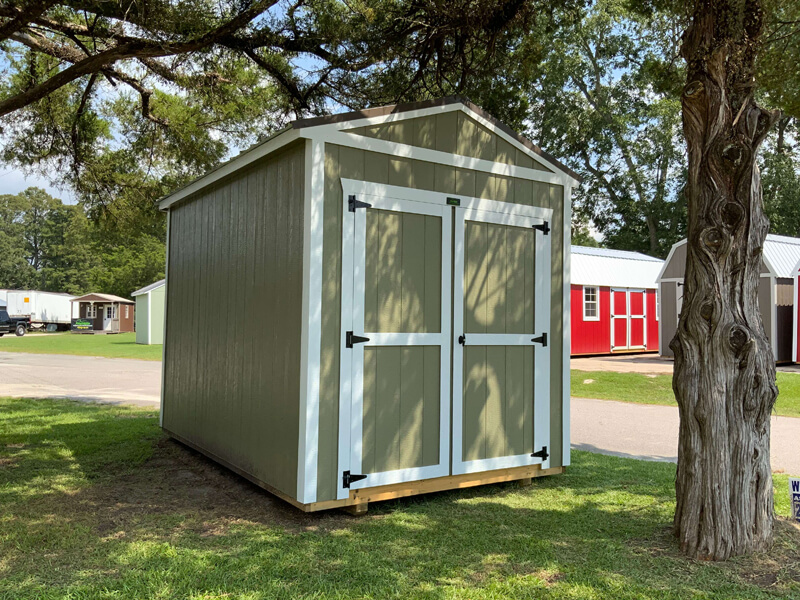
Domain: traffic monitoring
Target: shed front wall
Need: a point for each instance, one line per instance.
(142, 317)
(352, 163)
(234, 318)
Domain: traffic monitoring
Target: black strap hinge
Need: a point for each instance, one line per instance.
(543, 227)
(351, 339)
(542, 339)
(353, 204)
(462, 339)
(540, 454)
(348, 478)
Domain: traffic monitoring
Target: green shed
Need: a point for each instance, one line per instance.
(150, 313)
(373, 305)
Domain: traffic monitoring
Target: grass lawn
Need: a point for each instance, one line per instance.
(96, 504)
(119, 345)
(657, 389)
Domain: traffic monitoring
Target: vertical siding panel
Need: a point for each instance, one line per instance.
(369, 429)
(376, 167)
(445, 179)
(387, 430)
(475, 276)
(541, 197)
(425, 132)
(430, 416)
(503, 189)
(411, 407)
(522, 160)
(372, 248)
(527, 392)
(515, 399)
(465, 183)
(523, 191)
(412, 273)
(432, 258)
(515, 282)
(495, 417)
(506, 153)
(495, 290)
(447, 132)
(389, 283)
(475, 378)
(485, 186)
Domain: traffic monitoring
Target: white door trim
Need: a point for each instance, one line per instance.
(541, 392)
(351, 376)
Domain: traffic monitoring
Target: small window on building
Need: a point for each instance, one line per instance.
(591, 304)
(113, 311)
(91, 311)
(108, 312)
(126, 311)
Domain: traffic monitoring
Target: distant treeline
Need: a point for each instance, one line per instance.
(48, 245)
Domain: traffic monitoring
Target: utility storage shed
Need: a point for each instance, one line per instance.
(394, 286)
(776, 293)
(150, 313)
(614, 301)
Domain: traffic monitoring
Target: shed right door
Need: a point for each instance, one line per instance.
(501, 360)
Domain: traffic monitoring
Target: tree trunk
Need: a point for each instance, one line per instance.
(724, 367)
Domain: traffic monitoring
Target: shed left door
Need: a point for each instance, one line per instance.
(395, 347)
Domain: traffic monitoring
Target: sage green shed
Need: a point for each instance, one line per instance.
(150, 313)
(373, 305)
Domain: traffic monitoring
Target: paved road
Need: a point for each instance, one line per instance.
(648, 364)
(634, 430)
(89, 378)
(650, 432)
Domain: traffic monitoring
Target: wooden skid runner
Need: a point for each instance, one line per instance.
(359, 500)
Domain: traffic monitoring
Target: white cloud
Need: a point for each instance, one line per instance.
(13, 181)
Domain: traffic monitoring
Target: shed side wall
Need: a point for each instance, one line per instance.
(668, 291)
(157, 315)
(784, 299)
(232, 369)
(352, 163)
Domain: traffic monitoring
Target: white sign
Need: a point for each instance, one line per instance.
(794, 495)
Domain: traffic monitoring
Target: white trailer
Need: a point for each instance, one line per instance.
(42, 308)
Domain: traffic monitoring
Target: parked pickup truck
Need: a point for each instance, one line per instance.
(18, 325)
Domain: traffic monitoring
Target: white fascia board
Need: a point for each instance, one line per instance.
(770, 268)
(332, 135)
(280, 139)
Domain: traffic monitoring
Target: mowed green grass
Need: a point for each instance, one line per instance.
(118, 345)
(657, 389)
(96, 504)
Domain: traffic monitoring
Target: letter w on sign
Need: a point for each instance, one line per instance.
(794, 493)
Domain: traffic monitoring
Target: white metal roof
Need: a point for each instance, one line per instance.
(614, 268)
(148, 288)
(781, 254)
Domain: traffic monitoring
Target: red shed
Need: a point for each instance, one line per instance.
(614, 301)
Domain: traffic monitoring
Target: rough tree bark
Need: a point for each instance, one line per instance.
(724, 368)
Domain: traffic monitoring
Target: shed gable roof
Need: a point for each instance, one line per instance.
(613, 268)
(149, 288)
(352, 121)
(95, 297)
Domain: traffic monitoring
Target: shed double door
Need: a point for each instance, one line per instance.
(628, 319)
(400, 296)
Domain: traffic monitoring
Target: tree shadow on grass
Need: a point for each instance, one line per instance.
(177, 525)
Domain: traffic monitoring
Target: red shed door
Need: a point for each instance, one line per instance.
(628, 319)
(619, 319)
(637, 322)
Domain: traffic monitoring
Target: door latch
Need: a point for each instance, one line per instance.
(348, 478)
(462, 339)
(540, 454)
(542, 339)
(353, 204)
(351, 339)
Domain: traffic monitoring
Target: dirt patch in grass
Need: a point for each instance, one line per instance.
(179, 481)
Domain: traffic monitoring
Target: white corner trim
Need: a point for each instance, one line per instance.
(311, 331)
(773, 309)
(149, 318)
(566, 326)
(333, 135)
(164, 333)
(280, 139)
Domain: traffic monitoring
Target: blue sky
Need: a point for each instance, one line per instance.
(13, 181)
